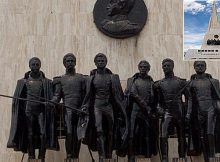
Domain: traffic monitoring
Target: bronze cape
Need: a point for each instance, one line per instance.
(194, 144)
(18, 132)
(86, 128)
(152, 123)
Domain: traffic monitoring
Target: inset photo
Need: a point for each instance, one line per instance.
(201, 29)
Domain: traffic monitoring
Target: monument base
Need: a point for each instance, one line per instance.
(142, 160)
(71, 160)
(110, 160)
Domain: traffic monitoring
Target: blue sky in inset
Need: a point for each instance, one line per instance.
(196, 19)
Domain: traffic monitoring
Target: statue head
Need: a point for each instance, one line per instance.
(167, 65)
(144, 67)
(100, 61)
(119, 7)
(35, 64)
(200, 67)
(69, 61)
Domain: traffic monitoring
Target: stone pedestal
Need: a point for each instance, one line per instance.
(71, 160)
(110, 160)
(142, 160)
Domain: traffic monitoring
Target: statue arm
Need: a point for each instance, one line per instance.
(138, 99)
(57, 94)
(88, 94)
(157, 99)
(189, 101)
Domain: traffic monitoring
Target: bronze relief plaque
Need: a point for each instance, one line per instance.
(120, 18)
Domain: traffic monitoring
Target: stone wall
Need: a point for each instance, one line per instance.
(49, 29)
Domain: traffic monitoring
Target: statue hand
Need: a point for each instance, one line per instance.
(160, 112)
(84, 109)
(152, 115)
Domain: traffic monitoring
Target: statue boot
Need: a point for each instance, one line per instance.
(31, 150)
(211, 140)
(164, 149)
(42, 160)
(182, 147)
(131, 157)
(76, 148)
(42, 150)
(204, 149)
(68, 145)
(148, 152)
(101, 146)
(109, 146)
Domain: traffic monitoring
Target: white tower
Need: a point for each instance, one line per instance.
(213, 32)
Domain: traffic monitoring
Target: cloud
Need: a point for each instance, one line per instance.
(196, 6)
(193, 37)
(193, 6)
(193, 40)
(209, 1)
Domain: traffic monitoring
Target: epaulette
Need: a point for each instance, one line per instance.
(56, 79)
(208, 75)
(181, 79)
(193, 77)
(83, 77)
(157, 83)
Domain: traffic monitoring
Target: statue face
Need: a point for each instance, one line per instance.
(35, 65)
(200, 67)
(70, 62)
(144, 68)
(167, 67)
(115, 7)
(100, 62)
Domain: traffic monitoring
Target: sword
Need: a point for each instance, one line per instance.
(25, 99)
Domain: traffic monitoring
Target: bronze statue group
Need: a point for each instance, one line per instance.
(99, 114)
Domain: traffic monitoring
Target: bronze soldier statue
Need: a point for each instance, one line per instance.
(70, 87)
(169, 93)
(32, 124)
(202, 111)
(142, 128)
(104, 102)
